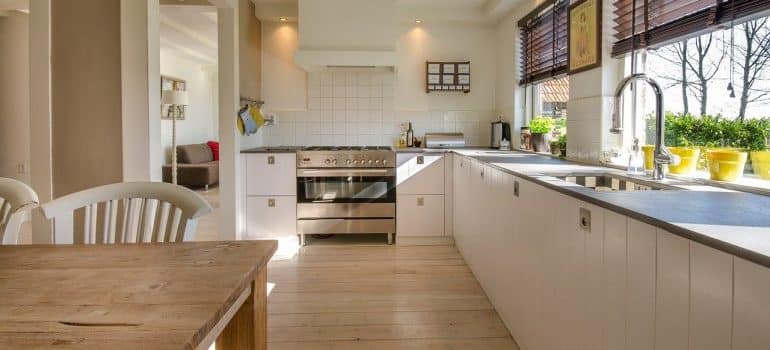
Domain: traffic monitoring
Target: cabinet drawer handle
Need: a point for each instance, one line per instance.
(585, 219)
(482, 173)
(516, 188)
(420, 201)
(271, 202)
(271, 160)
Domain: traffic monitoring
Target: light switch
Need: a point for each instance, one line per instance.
(271, 202)
(271, 160)
(420, 201)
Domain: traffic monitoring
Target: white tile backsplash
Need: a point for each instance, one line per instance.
(356, 107)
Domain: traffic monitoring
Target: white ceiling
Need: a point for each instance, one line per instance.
(473, 11)
(190, 31)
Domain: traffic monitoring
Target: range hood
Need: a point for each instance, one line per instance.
(346, 33)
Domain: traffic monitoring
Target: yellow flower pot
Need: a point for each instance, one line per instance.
(760, 160)
(689, 160)
(649, 156)
(726, 165)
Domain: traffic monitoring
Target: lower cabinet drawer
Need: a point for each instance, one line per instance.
(420, 215)
(271, 217)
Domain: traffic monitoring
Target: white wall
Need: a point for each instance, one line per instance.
(14, 96)
(589, 107)
(201, 122)
(285, 89)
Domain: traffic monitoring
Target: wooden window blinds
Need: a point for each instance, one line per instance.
(662, 21)
(544, 42)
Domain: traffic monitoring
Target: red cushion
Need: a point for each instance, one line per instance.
(214, 145)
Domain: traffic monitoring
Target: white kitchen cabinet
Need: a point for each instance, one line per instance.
(272, 217)
(751, 320)
(640, 284)
(711, 298)
(449, 159)
(420, 173)
(420, 215)
(672, 292)
(615, 290)
(271, 174)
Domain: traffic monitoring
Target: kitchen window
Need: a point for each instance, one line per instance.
(713, 62)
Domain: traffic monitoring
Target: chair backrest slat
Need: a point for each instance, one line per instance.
(16, 201)
(127, 213)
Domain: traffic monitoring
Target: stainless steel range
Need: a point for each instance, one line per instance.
(346, 190)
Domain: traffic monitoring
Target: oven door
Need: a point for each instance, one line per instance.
(346, 186)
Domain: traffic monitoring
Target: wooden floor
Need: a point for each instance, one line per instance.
(366, 295)
(380, 297)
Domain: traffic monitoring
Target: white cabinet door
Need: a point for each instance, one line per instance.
(424, 174)
(271, 217)
(449, 193)
(711, 298)
(420, 215)
(672, 297)
(615, 289)
(640, 283)
(270, 174)
(751, 327)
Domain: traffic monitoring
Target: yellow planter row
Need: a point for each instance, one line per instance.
(724, 164)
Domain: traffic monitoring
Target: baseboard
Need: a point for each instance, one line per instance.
(442, 240)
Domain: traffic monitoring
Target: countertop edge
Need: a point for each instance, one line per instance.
(694, 236)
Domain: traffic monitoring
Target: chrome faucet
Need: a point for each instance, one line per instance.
(662, 155)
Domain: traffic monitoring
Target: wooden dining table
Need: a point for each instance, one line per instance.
(135, 296)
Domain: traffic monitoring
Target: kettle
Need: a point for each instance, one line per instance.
(500, 131)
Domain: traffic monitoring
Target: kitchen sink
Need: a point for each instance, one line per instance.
(608, 182)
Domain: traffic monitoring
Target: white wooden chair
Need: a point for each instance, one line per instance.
(16, 202)
(131, 212)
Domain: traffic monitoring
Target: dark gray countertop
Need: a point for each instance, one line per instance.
(273, 149)
(737, 223)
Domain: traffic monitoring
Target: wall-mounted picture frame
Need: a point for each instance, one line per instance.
(584, 49)
(175, 84)
(447, 76)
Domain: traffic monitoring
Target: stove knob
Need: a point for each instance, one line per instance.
(370, 162)
(355, 161)
(384, 162)
(348, 162)
(327, 161)
(334, 161)
(377, 162)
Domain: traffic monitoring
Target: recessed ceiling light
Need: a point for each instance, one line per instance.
(418, 21)
(283, 19)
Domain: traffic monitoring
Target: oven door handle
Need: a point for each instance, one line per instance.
(343, 172)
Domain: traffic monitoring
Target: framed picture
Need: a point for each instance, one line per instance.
(434, 68)
(434, 79)
(170, 83)
(449, 68)
(464, 68)
(584, 35)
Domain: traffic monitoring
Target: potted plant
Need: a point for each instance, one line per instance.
(541, 128)
(757, 133)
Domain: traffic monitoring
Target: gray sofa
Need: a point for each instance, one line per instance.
(196, 166)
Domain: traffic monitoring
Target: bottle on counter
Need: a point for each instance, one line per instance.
(402, 136)
(410, 136)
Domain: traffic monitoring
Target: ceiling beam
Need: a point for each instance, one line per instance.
(188, 52)
(187, 31)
